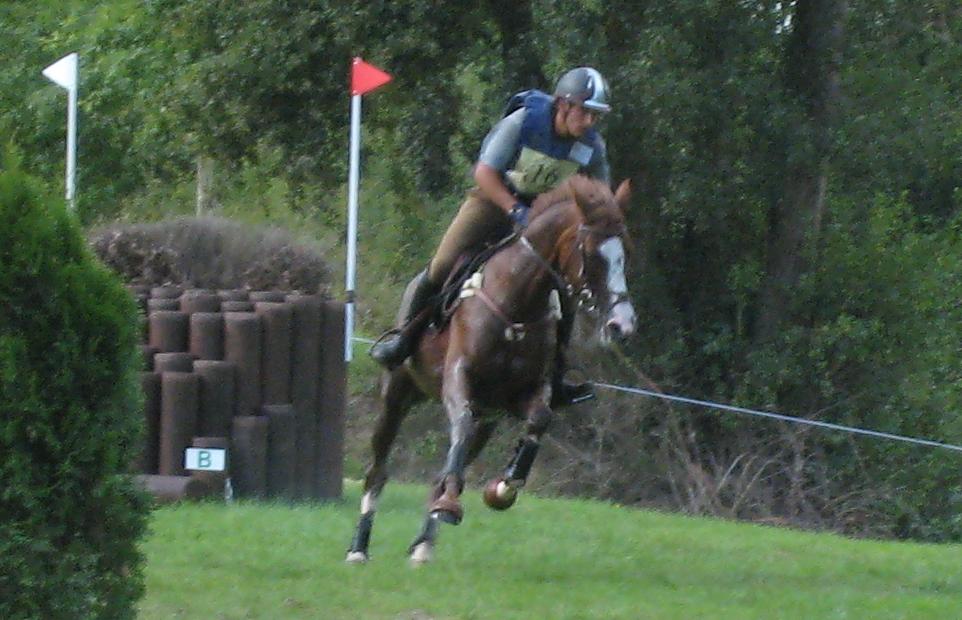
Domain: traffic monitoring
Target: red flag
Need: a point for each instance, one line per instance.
(366, 77)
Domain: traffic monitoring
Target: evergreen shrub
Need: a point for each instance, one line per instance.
(70, 513)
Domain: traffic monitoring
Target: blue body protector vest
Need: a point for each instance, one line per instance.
(545, 159)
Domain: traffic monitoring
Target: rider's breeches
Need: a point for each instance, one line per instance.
(477, 221)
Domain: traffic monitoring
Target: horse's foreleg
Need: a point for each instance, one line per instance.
(444, 501)
(399, 395)
(422, 547)
(501, 493)
(447, 491)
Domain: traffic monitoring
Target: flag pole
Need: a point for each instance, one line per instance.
(65, 73)
(72, 148)
(364, 78)
(353, 182)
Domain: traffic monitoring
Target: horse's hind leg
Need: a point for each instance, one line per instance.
(501, 493)
(480, 439)
(399, 395)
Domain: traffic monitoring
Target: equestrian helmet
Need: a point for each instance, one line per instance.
(586, 86)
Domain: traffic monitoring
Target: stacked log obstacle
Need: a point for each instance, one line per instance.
(257, 373)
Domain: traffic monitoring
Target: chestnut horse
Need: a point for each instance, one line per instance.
(496, 352)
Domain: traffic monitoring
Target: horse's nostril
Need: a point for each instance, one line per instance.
(614, 329)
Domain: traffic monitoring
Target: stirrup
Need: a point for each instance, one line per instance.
(387, 358)
(565, 393)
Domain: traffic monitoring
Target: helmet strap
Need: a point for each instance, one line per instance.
(564, 114)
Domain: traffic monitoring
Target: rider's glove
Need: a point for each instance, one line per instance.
(519, 215)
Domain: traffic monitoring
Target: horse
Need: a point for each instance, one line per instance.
(495, 353)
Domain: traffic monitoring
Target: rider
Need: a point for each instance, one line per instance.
(529, 151)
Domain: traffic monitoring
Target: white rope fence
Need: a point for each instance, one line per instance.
(779, 416)
(761, 414)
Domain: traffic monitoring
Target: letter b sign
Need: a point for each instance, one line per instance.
(205, 459)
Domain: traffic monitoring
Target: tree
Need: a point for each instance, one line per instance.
(70, 418)
(812, 72)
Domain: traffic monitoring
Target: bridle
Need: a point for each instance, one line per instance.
(580, 289)
(582, 292)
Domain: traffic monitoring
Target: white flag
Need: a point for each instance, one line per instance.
(63, 72)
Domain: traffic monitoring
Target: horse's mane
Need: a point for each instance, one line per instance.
(593, 197)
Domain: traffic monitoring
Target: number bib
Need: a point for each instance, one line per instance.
(535, 173)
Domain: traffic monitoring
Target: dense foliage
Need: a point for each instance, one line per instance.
(70, 517)
(797, 166)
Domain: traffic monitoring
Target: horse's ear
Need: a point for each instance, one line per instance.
(623, 194)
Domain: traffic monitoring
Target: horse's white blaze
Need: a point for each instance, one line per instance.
(368, 503)
(622, 314)
(423, 553)
(613, 251)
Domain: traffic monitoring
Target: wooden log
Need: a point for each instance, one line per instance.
(237, 294)
(206, 340)
(179, 392)
(249, 456)
(329, 483)
(281, 452)
(168, 489)
(305, 369)
(173, 362)
(168, 331)
(276, 320)
(157, 304)
(241, 305)
(213, 479)
(217, 401)
(269, 296)
(199, 300)
(242, 347)
(166, 292)
(150, 455)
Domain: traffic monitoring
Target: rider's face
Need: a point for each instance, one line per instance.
(574, 119)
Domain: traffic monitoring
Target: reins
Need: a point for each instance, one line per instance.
(515, 331)
(583, 292)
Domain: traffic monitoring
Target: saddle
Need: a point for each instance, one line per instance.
(469, 263)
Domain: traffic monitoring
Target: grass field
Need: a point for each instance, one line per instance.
(544, 559)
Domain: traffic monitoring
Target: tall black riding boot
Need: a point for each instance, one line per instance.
(564, 393)
(394, 348)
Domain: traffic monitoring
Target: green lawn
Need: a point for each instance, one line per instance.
(542, 559)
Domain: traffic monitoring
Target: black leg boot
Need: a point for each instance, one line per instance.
(392, 349)
(564, 393)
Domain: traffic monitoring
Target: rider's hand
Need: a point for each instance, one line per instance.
(519, 215)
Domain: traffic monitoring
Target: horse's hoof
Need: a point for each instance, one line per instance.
(356, 557)
(422, 554)
(447, 516)
(447, 510)
(499, 495)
